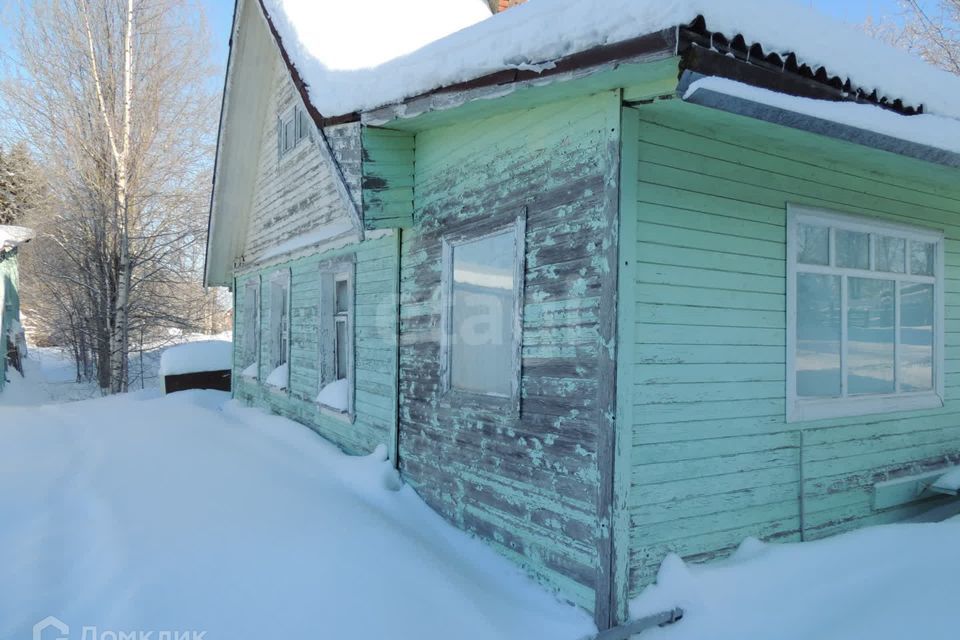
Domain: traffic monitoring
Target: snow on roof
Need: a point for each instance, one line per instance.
(343, 51)
(929, 130)
(197, 357)
(335, 45)
(11, 237)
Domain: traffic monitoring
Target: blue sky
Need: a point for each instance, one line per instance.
(220, 12)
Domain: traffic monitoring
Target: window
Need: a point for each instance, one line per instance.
(864, 316)
(482, 313)
(250, 349)
(341, 314)
(279, 329)
(336, 337)
(292, 127)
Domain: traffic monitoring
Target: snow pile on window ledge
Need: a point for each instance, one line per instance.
(535, 33)
(335, 395)
(883, 583)
(279, 377)
(196, 357)
(251, 371)
(949, 481)
(929, 130)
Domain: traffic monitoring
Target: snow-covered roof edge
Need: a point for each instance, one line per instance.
(12, 237)
(927, 137)
(306, 71)
(517, 40)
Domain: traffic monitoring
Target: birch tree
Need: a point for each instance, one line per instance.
(929, 29)
(116, 100)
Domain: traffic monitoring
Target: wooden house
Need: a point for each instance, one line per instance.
(12, 344)
(608, 282)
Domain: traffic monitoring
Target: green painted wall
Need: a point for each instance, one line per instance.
(9, 305)
(531, 486)
(712, 458)
(375, 347)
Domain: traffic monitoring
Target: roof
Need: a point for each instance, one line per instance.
(332, 45)
(534, 35)
(370, 60)
(11, 237)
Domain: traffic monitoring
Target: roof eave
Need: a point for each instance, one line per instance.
(820, 126)
(208, 280)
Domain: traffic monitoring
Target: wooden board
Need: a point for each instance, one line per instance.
(529, 485)
(714, 460)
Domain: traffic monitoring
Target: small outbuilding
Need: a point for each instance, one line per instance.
(197, 365)
(12, 340)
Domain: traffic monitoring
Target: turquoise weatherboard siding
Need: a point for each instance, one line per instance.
(9, 305)
(530, 486)
(375, 346)
(713, 459)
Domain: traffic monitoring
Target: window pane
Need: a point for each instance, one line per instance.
(921, 258)
(342, 299)
(284, 328)
(891, 254)
(251, 328)
(483, 315)
(818, 335)
(303, 125)
(870, 336)
(813, 245)
(853, 249)
(279, 322)
(916, 337)
(342, 350)
(289, 134)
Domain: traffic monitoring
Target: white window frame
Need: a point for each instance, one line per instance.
(297, 116)
(519, 227)
(277, 278)
(800, 408)
(332, 272)
(251, 326)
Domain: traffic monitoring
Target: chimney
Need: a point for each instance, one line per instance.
(502, 5)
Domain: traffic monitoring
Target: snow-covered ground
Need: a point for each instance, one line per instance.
(50, 374)
(189, 513)
(142, 513)
(49, 377)
(883, 583)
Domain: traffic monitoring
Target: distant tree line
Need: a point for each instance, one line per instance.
(114, 111)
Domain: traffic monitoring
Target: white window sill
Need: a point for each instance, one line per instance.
(812, 409)
(275, 390)
(336, 414)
